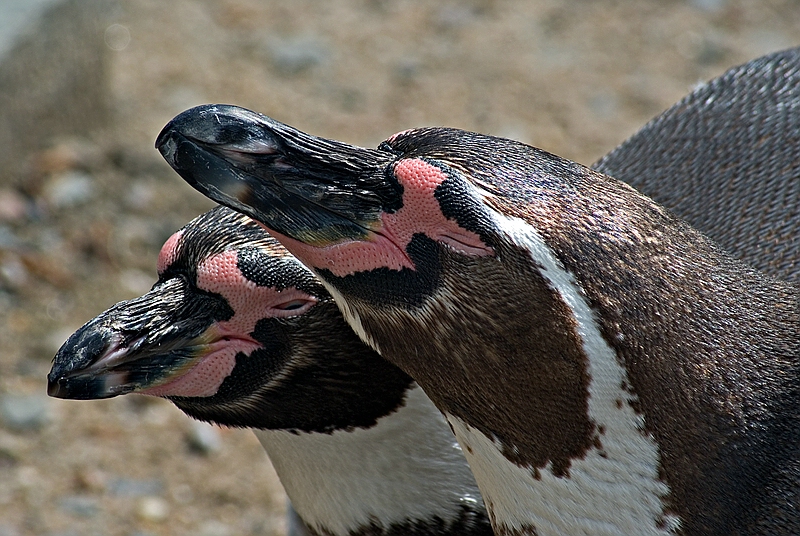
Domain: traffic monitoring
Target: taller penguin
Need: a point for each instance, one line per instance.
(607, 368)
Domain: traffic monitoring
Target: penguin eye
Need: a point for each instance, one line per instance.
(293, 305)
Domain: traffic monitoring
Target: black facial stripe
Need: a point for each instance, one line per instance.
(404, 287)
(248, 375)
(266, 270)
(458, 203)
(265, 362)
(329, 383)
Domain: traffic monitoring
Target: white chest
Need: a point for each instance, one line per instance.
(406, 467)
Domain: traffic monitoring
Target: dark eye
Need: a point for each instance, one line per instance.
(292, 305)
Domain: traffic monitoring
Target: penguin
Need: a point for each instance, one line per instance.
(723, 159)
(238, 333)
(606, 368)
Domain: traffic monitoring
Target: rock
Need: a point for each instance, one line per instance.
(182, 494)
(12, 450)
(711, 6)
(293, 56)
(129, 487)
(13, 206)
(8, 238)
(153, 509)
(70, 189)
(140, 196)
(25, 412)
(79, 505)
(203, 438)
(214, 528)
(90, 479)
(12, 271)
(8, 530)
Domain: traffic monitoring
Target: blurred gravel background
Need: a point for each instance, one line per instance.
(86, 202)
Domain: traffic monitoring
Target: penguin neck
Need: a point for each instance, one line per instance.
(404, 474)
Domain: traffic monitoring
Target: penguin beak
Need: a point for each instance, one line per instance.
(136, 344)
(317, 191)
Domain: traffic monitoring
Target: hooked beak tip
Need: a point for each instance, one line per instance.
(55, 389)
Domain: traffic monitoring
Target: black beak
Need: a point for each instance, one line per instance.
(137, 344)
(314, 190)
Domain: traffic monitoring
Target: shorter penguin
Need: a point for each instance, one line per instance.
(238, 333)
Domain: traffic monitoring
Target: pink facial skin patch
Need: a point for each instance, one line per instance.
(222, 341)
(168, 252)
(386, 245)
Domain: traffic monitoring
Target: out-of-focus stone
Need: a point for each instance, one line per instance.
(48, 269)
(79, 505)
(13, 206)
(25, 412)
(215, 528)
(129, 487)
(69, 189)
(203, 438)
(12, 271)
(293, 56)
(8, 530)
(153, 509)
(90, 479)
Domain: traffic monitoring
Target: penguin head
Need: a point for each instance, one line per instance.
(237, 332)
(376, 224)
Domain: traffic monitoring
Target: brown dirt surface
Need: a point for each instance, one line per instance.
(86, 202)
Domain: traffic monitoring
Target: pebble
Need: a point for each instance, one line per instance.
(13, 206)
(605, 105)
(710, 6)
(153, 509)
(91, 479)
(8, 239)
(129, 487)
(182, 494)
(8, 530)
(214, 528)
(203, 438)
(293, 56)
(69, 189)
(12, 449)
(25, 412)
(454, 16)
(140, 196)
(73, 153)
(13, 271)
(79, 505)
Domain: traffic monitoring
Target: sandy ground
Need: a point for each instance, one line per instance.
(86, 202)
